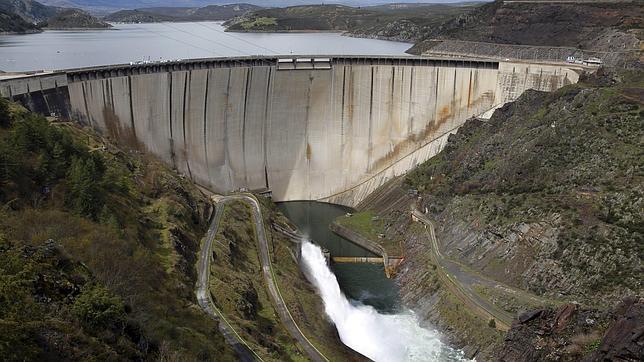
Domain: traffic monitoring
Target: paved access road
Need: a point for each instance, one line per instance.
(244, 352)
(203, 294)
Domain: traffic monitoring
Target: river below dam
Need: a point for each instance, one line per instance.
(362, 303)
(125, 43)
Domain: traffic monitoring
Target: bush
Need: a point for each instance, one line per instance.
(5, 115)
(491, 323)
(96, 307)
(85, 196)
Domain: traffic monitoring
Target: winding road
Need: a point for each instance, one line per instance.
(461, 282)
(244, 352)
(205, 300)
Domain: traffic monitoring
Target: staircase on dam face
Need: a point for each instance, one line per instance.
(334, 130)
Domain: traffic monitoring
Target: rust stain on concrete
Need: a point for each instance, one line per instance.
(427, 134)
(122, 135)
(402, 148)
(469, 92)
(309, 152)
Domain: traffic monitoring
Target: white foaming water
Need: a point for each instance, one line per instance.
(381, 337)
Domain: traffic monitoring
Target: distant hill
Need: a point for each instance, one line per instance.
(74, 19)
(606, 26)
(152, 15)
(105, 7)
(405, 22)
(29, 10)
(13, 23)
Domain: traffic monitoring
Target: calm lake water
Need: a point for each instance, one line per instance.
(168, 41)
(363, 282)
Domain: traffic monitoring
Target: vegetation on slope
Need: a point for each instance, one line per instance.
(74, 19)
(12, 23)
(551, 188)
(391, 22)
(29, 10)
(239, 290)
(99, 245)
(594, 26)
(174, 14)
(545, 197)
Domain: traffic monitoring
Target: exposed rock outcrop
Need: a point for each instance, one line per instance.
(543, 198)
(573, 333)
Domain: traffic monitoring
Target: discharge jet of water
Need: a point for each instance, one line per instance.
(381, 337)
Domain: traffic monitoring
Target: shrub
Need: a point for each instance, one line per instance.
(96, 307)
(491, 323)
(5, 115)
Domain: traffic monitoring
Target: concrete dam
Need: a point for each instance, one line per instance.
(330, 129)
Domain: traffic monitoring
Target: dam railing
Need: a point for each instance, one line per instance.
(120, 70)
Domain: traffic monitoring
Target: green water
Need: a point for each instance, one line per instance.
(365, 283)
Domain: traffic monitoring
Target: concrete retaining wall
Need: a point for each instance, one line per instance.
(42, 93)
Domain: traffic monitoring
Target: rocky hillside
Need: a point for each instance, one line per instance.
(207, 13)
(74, 19)
(29, 10)
(401, 22)
(546, 198)
(574, 333)
(608, 27)
(547, 195)
(11, 23)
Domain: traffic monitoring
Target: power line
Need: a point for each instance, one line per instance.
(179, 40)
(202, 37)
(238, 38)
(212, 41)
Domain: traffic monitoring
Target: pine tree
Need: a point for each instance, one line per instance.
(84, 193)
(5, 115)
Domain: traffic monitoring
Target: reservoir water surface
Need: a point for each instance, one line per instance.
(127, 43)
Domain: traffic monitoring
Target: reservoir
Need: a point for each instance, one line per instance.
(127, 43)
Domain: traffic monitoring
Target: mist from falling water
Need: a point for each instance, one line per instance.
(380, 337)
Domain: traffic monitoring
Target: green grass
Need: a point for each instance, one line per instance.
(367, 223)
(372, 227)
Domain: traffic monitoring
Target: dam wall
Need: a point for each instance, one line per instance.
(332, 133)
(44, 93)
